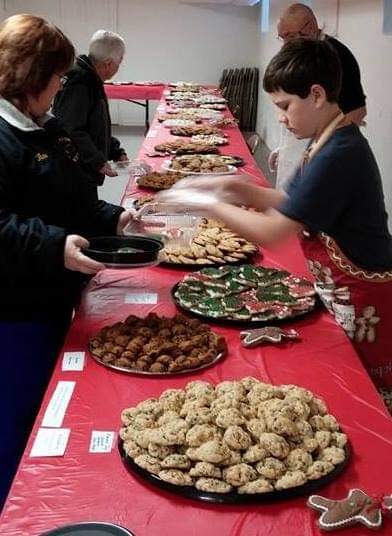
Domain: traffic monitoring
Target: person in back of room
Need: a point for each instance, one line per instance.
(298, 20)
(48, 207)
(335, 201)
(83, 108)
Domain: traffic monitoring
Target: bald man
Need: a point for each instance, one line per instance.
(299, 20)
(296, 21)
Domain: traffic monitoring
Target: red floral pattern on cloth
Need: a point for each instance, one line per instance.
(359, 300)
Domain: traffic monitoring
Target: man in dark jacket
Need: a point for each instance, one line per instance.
(83, 108)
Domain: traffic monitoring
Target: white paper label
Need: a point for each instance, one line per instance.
(152, 134)
(141, 297)
(58, 404)
(101, 441)
(73, 361)
(50, 442)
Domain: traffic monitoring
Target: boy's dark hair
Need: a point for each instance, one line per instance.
(302, 63)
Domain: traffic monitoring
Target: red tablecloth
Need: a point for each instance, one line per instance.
(134, 92)
(48, 492)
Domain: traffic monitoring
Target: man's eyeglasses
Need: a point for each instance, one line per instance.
(294, 35)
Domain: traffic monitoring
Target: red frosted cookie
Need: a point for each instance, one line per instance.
(357, 507)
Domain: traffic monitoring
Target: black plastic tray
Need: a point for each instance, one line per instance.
(233, 497)
(90, 528)
(104, 249)
(242, 323)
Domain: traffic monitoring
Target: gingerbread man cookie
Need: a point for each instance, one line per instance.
(357, 507)
(269, 334)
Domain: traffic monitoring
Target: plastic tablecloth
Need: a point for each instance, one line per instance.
(134, 91)
(82, 486)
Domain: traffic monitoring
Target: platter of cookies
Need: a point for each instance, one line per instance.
(159, 180)
(235, 442)
(214, 106)
(209, 99)
(157, 345)
(244, 295)
(196, 113)
(180, 122)
(204, 164)
(211, 139)
(185, 147)
(205, 130)
(226, 122)
(174, 116)
(183, 95)
(213, 244)
(185, 86)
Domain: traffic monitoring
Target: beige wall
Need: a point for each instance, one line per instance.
(166, 39)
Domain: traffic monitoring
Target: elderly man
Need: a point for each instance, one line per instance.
(83, 108)
(298, 20)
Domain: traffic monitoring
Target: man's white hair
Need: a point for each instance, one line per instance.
(105, 45)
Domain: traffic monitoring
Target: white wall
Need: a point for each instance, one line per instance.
(166, 39)
(358, 24)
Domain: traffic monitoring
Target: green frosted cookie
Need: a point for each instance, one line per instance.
(216, 291)
(276, 293)
(232, 303)
(233, 286)
(216, 273)
(242, 314)
(210, 307)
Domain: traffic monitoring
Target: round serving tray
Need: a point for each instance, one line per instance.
(241, 323)
(233, 497)
(90, 528)
(155, 374)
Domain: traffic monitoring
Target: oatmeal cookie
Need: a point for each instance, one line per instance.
(238, 475)
(176, 477)
(213, 485)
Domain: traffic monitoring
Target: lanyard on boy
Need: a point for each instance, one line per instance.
(315, 146)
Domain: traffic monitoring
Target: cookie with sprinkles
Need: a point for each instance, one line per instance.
(299, 287)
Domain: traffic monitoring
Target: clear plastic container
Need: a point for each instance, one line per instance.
(134, 168)
(176, 230)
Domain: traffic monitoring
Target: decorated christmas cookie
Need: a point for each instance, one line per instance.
(357, 507)
(245, 292)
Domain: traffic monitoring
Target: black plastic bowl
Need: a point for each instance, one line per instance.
(107, 249)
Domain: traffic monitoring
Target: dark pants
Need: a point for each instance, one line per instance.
(27, 355)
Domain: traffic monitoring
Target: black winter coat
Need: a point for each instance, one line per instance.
(83, 109)
(45, 194)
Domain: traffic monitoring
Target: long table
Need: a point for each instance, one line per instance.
(135, 93)
(82, 486)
